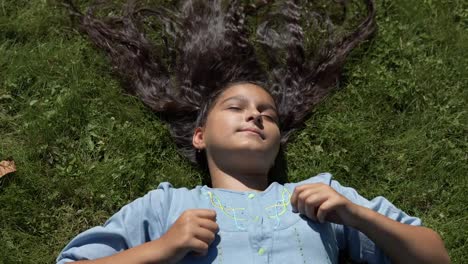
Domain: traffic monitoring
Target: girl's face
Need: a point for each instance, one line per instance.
(241, 130)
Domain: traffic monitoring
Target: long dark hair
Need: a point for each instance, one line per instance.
(206, 45)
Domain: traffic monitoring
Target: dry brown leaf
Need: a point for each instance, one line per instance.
(7, 166)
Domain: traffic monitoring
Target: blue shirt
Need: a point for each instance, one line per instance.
(254, 227)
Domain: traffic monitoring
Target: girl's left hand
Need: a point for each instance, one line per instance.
(320, 202)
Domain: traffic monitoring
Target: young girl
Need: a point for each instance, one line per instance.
(232, 116)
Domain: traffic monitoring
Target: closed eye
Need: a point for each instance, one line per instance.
(234, 108)
(270, 118)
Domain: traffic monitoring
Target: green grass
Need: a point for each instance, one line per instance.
(397, 128)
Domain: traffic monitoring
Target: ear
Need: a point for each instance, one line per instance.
(198, 139)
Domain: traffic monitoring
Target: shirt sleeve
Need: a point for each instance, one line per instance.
(136, 223)
(359, 247)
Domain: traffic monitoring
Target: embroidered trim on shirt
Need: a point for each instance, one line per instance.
(283, 204)
(227, 210)
(280, 207)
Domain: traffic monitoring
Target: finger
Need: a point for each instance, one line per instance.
(324, 209)
(310, 208)
(298, 190)
(301, 200)
(294, 199)
(312, 203)
(205, 235)
(300, 204)
(199, 247)
(295, 196)
(208, 224)
(205, 213)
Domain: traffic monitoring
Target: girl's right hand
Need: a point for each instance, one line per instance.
(193, 231)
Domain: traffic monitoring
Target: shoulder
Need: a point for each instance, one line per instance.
(166, 191)
(158, 202)
(379, 204)
(327, 178)
(166, 195)
(173, 199)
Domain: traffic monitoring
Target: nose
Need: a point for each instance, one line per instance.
(256, 117)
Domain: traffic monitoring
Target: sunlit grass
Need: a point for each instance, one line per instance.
(396, 128)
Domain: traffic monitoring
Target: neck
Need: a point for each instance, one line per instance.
(238, 181)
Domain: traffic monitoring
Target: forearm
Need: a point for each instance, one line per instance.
(151, 252)
(402, 243)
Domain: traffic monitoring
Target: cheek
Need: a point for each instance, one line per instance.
(220, 126)
(277, 137)
(274, 131)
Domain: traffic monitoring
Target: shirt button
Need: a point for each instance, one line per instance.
(251, 196)
(261, 251)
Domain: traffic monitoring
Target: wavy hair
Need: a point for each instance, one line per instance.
(207, 46)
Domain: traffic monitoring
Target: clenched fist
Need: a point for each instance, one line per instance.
(193, 231)
(320, 202)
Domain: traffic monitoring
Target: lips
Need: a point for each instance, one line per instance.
(255, 131)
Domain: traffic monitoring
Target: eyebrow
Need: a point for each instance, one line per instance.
(243, 98)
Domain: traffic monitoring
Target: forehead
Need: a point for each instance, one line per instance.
(247, 90)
